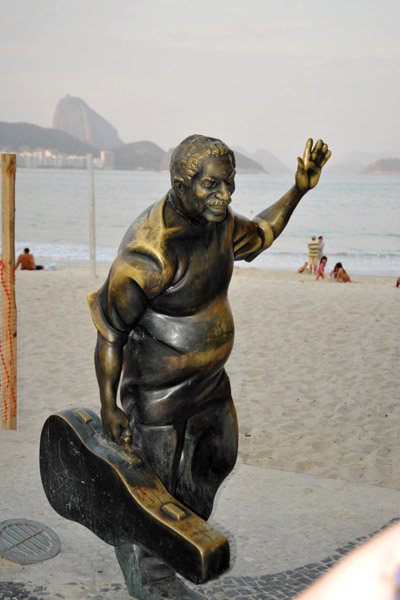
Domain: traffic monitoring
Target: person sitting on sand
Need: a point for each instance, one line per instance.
(340, 274)
(303, 268)
(27, 262)
(321, 268)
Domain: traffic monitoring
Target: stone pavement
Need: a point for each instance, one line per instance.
(284, 530)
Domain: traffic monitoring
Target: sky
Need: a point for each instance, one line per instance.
(254, 73)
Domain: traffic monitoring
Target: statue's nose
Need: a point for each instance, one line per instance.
(223, 192)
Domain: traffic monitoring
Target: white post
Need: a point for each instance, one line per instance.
(92, 220)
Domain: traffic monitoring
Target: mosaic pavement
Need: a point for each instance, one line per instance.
(277, 586)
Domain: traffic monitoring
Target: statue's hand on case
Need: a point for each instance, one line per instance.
(116, 426)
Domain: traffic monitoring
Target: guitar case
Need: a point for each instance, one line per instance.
(112, 491)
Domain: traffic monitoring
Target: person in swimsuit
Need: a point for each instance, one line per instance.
(321, 268)
(340, 274)
(27, 262)
(165, 328)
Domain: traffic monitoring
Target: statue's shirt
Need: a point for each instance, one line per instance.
(167, 289)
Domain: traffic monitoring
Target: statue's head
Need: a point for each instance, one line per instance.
(186, 157)
(203, 177)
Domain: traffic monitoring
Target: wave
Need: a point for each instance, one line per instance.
(380, 262)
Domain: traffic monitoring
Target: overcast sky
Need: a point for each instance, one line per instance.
(256, 73)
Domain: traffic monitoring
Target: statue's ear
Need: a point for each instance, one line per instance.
(179, 186)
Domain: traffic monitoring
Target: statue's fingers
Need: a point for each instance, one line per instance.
(300, 162)
(307, 150)
(317, 149)
(327, 156)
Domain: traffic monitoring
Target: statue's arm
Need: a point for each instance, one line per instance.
(274, 219)
(115, 310)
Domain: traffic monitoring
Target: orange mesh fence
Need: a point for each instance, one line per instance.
(8, 379)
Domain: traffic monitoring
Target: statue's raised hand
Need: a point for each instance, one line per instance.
(116, 425)
(310, 166)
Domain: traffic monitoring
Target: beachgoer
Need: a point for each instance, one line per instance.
(164, 324)
(303, 267)
(27, 262)
(339, 273)
(313, 254)
(321, 268)
(321, 245)
(398, 282)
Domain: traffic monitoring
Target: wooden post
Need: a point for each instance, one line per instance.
(9, 313)
(92, 220)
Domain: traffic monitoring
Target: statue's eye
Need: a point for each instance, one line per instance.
(208, 183)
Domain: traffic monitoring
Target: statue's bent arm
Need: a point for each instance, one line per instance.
(115, 310)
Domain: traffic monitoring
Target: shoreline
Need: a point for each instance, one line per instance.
(65, 264)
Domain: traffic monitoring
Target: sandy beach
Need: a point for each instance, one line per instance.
(315, 378)
(314, 369)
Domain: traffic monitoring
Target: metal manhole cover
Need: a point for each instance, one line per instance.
(25, 542)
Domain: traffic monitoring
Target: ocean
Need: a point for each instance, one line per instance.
(359, 216)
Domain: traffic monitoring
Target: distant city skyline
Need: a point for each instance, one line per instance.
(257, 74)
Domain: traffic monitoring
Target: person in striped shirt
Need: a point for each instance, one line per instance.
(313, 254)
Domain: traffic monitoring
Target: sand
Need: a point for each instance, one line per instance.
(314, 369)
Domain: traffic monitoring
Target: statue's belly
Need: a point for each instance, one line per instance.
(171, 347)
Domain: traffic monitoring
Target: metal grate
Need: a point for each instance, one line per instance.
(25, 542)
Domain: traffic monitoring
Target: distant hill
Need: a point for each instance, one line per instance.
(244, 164)
(138, 156)
(21, 137)
(75, 117)
(268, 161)
(354, 162)
(383, 166)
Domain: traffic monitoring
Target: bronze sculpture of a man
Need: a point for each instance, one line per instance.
(165, 329)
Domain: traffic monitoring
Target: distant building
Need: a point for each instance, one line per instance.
(107, 159)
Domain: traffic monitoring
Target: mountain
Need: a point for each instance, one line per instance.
(138, 156)
(383, 166)
(354, 162)
(75, 117)
(21, 137)
(265, 158)
(244, 164)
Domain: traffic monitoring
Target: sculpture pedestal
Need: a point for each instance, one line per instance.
(147, 578)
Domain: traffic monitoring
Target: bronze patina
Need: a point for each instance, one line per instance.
(165, 332)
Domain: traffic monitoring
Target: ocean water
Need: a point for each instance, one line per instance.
(359, 216)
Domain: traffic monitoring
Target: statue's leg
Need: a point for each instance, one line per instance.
(148, 578)
(210, 452)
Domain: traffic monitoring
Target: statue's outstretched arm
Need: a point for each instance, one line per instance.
(308, 173)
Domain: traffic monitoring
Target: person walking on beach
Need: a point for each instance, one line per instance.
(321, 268)
(313, 254)
(321, 245)
(27, 262)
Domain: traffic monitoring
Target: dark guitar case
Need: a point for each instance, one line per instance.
(114, 493)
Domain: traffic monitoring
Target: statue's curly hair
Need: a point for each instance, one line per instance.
(186, 157)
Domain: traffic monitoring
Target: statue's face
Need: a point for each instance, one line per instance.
(211, 188)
